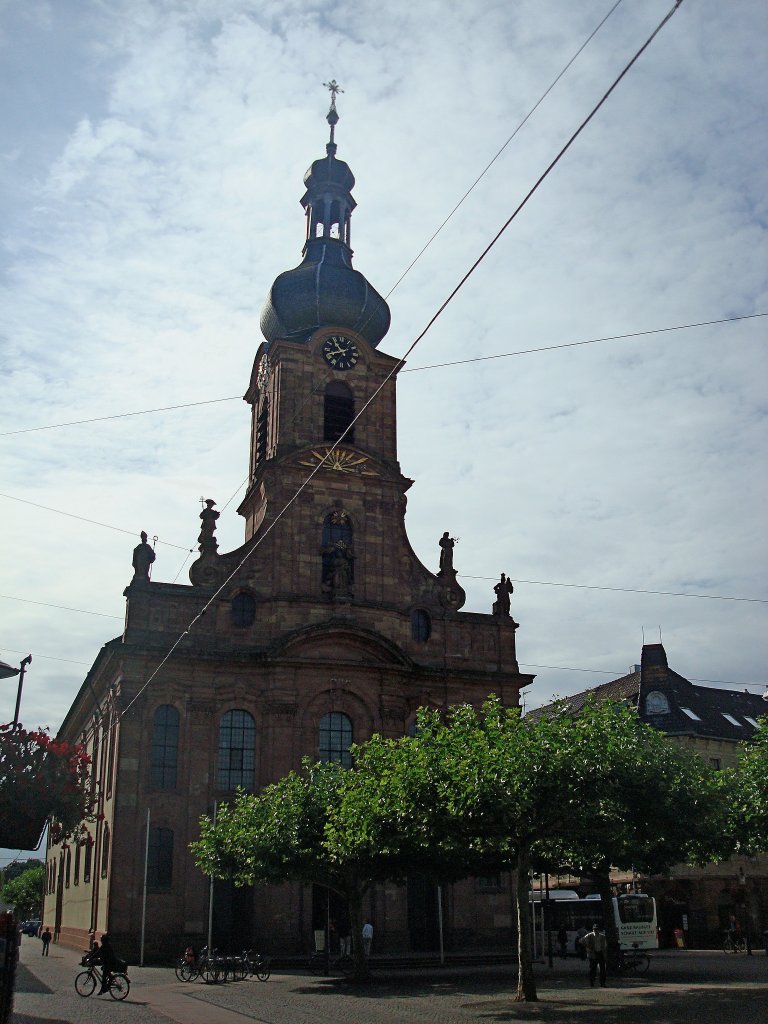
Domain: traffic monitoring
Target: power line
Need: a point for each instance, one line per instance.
(488, 166)
(414, 369)
(60, 607)
(588, 341)
(93, 522)
(618, 675)
(553, 163)
(48, 657)
(625, 590)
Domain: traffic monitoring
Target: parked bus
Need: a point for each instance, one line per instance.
(634, 915)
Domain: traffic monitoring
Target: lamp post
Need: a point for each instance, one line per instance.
(7, 672)
(747, 905)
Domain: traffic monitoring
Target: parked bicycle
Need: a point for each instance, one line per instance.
(633, 961)
(734, 943)
(341, 963)
(87, 980)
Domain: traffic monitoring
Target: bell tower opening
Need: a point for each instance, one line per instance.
(338, 412)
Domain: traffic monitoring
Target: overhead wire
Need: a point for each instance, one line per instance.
(418, 369)
(553, 163)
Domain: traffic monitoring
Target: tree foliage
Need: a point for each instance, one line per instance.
(40, 779)
(475, 791)
(749, 794)
(25, 892)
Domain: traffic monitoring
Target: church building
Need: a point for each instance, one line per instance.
(321, 629)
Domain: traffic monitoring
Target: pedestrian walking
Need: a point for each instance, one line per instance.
(367, 937)
(46, 938)
(596, 944)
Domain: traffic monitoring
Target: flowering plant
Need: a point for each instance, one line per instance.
(40, 779)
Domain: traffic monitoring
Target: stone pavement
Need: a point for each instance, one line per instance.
(680, 988)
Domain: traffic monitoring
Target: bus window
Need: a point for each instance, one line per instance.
(633, 909)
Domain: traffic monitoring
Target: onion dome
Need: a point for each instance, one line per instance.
(324, 290)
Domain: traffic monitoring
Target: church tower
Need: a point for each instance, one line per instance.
(321, 629)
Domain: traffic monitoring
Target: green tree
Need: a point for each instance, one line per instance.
(748, 790)
(647, 803)
(25, 893)
(279, 835)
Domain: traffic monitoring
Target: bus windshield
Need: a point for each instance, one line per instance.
(634, 909)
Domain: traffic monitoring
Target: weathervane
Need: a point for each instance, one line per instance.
(333, 87)
(332, 117)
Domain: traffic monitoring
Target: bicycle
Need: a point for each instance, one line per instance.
(633, 961)
(733, 943)
(86, 981)
(257, 965)
(339, 964)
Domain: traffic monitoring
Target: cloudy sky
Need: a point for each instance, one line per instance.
(152, 157)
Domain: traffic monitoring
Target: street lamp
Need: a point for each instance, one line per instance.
(7, 672)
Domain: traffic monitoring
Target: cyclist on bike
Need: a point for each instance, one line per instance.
(107, 957)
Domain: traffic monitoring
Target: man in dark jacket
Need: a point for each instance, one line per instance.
(109, 963)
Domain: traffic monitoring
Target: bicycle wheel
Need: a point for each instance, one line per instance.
(187, 972)
(741, 946)
(642, 963)
(179, 969)
(262, 970)
(210, 973)
(119, 986)
(85, 983)
(317, 963)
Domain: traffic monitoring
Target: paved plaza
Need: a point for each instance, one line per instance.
(680, 988)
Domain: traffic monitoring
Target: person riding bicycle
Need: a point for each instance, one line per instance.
(108, 960)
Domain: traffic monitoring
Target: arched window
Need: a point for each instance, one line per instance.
(105, 852)
(421, 625)
(339, 411)
(243, 609)
(160, 859)
(78, 848)
(237, 742)
(165, 747)
(68, 869)
(336, 738)
(88, 859)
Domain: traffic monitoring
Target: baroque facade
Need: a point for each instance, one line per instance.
(323, 628)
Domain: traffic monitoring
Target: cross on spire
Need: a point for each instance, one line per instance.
(333, 87)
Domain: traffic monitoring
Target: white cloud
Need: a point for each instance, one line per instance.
(154, 163)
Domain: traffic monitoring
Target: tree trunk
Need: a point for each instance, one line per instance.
(601, 879)
(355, 907)
(526, 983)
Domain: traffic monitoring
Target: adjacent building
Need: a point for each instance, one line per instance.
(711, 722)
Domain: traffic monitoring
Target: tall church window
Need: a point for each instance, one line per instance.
(165, 747)
(336, 738)
(262, 430)
(88, 859)
(237, 743)
(78, 850)
(339, 411)
(421, 626)
(160, 859)
(105, 852)
(243, 609)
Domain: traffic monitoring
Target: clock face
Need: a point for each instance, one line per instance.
(262, 374)
(340, 352)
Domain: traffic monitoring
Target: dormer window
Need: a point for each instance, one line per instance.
(748, 718)
(656, 703)
(731, 719)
